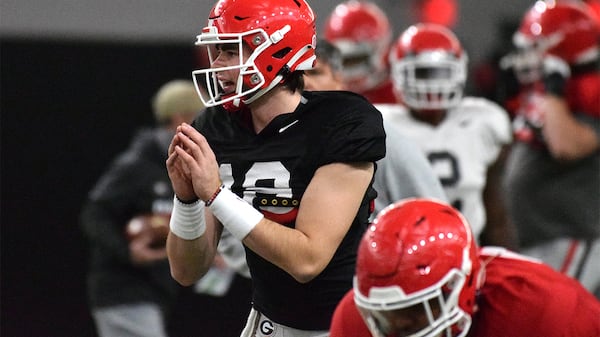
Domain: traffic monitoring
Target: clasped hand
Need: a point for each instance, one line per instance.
(192, 165)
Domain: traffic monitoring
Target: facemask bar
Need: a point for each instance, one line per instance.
(430, 93)
(393, 298)
(367, 71)
(526, 64)
(214, 95)
(531, 62)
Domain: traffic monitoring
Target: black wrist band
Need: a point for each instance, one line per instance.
(187, 202)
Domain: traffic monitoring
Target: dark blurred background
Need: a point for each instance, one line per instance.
(68, 107)
(76, 81)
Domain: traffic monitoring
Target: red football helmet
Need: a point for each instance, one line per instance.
(280, 33)
(418, 256)
(429, 67)
(564, 29)
(362, 32)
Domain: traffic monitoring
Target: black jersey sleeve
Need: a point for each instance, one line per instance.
(354, 133)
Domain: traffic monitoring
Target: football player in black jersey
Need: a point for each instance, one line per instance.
(287, 172)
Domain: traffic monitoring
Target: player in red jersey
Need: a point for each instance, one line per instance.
(362, 32)
(420, 273)
(552, 174)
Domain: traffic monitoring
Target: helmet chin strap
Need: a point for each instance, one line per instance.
(233, 106)
(260, 92)
(236, 102)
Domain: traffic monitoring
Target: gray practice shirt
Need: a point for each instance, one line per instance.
(404, 172)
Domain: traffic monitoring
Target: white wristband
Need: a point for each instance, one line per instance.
(235, 214)
(187, 220)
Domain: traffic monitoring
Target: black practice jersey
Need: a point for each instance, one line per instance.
(135, 183)
(271, 171)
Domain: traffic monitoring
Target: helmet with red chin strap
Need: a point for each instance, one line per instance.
(280, 35)
(418, 254)
(429, 67)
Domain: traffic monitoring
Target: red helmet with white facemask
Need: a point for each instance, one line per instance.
(280, 35)
(362, 32)
(418, 256)
(565, 29)
(552, 36)
(429, 67)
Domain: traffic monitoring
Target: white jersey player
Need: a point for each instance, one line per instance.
(464, 138)
(460, 149)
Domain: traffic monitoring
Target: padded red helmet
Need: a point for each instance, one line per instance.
(280, 34)
(564, 29)
(362, 32)
(429, 67)
(419, 254)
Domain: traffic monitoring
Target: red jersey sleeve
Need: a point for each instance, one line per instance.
(583, 94)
